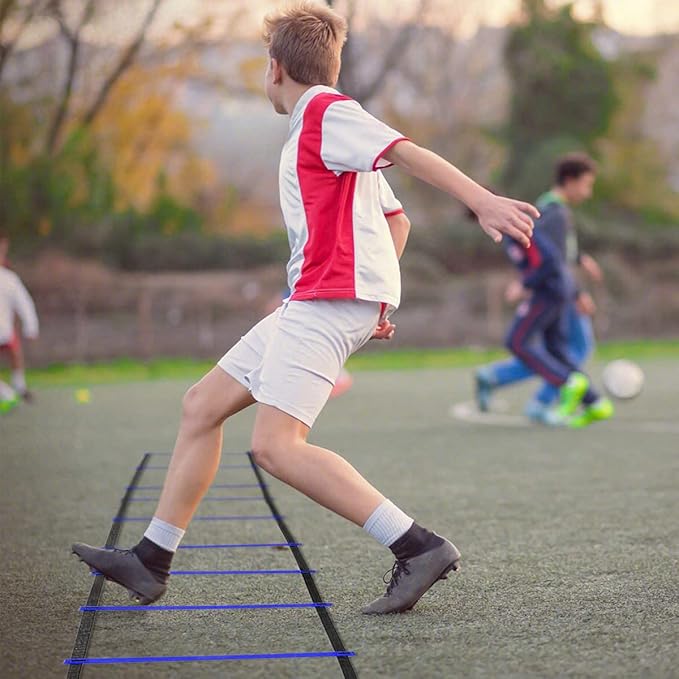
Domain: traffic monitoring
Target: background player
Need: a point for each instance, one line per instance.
(15, 301)
(537, 335)
(575, 174)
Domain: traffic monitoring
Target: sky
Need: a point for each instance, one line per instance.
(637, 17)
(641, 17)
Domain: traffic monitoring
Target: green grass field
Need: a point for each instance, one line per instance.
(130, 370)
(570, 540)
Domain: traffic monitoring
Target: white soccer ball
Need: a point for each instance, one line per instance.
(623, 379)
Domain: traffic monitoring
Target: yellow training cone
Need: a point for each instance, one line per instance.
(83, 395)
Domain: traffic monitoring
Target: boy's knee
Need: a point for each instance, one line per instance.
(264, 452)
(269, 452)
(196, 409)
(191, 401)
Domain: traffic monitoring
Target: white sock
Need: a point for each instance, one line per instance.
(164, 534)
(387, 523)
(6, 392)
(19, 381)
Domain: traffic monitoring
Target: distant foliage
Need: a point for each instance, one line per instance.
(563, 94)
(190, 250)
(634, 173)
(129, 189)
(45, 197)
(99, 158)
(147, 139)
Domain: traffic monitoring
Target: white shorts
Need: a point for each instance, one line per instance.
(291, 358)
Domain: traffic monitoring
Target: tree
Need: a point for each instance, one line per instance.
(125, 60)
(563, 93)
(634, 168)
(146, 138)
(353, 80)
(15, 17)
(72, 35)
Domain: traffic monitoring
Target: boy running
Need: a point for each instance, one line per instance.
(14, 301)
(572, 337)
(344, 280)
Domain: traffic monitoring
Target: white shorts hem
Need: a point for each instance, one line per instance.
(291, 359)
(232, 371)
(286, 408)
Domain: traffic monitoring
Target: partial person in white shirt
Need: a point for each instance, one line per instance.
(15, 302)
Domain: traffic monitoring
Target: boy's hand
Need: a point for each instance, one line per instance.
(498, 215)
(385, 330)
(585, 304)
(515, 292)
(591, 267)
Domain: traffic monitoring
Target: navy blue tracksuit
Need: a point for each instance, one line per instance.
(538, 335)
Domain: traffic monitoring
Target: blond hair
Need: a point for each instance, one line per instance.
(307, 39)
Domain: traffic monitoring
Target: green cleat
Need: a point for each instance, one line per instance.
(571, 394)
(8, 404)
(602, 409)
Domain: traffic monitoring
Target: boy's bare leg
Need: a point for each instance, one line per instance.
(198, 448)
(17, 365)
(279, 446)
(16, 356)
(144, 570)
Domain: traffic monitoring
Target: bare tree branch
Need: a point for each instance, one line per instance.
(350, 84)
(7, 45)
(351, 12)
(6, 6)
(72, 37)
(126, 60)
(399, 45)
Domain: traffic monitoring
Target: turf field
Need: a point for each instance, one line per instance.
(570, 540)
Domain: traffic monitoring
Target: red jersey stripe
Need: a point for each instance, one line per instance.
(329, 257)
(534, 257)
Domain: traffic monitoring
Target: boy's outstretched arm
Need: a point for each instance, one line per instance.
(496, 215)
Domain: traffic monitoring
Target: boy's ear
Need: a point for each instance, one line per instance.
(276, 71)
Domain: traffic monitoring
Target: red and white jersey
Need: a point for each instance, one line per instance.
(334, 201)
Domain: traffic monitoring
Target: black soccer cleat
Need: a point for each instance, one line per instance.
(123, 567)
(411, 578)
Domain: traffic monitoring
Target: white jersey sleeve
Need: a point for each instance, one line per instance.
(391, 205)
(352, 140)
(25, 309)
